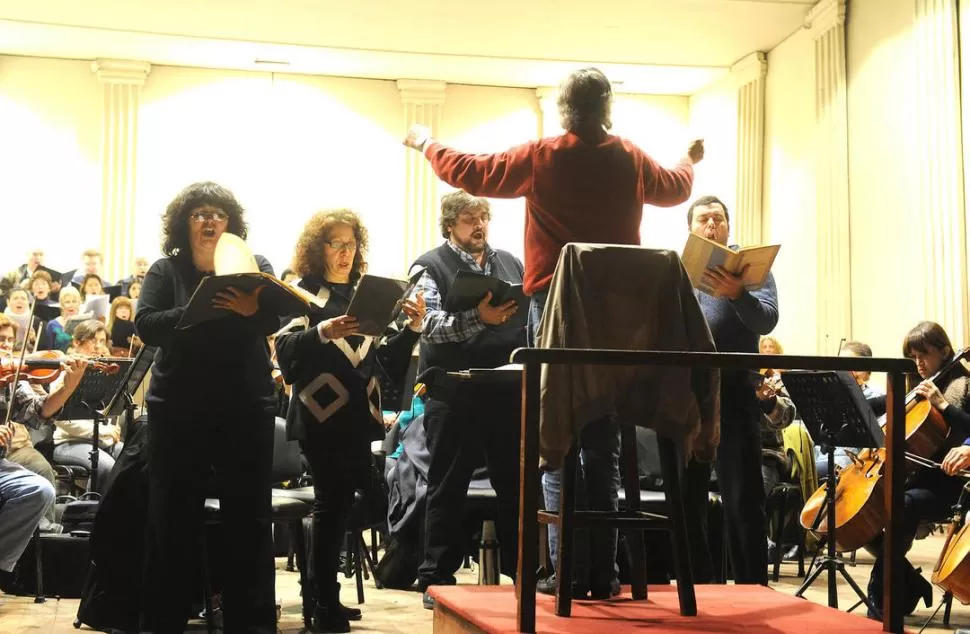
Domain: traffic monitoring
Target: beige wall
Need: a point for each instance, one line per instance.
(50, 135)
(887, 280)
(789, 188)
(714, 118)
(286, 145)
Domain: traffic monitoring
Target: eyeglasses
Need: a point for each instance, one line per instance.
(340, 245)
(204, 216)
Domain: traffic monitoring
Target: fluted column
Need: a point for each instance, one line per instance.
(826, 23)
(940, 212)
(749, 76)
(122, 82)
(422, 104)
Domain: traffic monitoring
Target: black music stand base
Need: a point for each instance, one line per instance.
(831, 562)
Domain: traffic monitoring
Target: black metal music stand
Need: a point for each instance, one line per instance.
(98, 397)
(835, 411)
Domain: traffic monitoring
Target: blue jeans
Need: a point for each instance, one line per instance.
(842, 459)
(597, 485)
(24, 499)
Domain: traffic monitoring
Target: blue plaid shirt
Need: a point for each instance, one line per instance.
(445, 327)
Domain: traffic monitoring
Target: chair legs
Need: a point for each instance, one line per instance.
(671, 471)
(39, 562)
(634, 538)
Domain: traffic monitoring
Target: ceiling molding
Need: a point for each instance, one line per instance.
(84, 43)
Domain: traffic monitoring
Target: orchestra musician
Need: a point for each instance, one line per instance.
(335, 411)
(930, 493)
(211, 404)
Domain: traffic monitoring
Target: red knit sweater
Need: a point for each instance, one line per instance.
(575, 191)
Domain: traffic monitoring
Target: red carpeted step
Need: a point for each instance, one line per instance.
(721, 608)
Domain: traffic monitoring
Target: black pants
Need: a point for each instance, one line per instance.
(338, 464)
(929, 496)
(742, 497)
(182, 451)
(460, 425)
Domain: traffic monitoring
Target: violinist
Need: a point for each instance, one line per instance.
(930, 493)
(24, 495)
(211, 404)
(72, 438)
(335, 411)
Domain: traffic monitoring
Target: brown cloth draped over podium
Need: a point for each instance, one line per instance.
(626, 298)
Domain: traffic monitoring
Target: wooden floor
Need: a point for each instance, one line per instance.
(399, 612)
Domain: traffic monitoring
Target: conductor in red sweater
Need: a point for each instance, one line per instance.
(585, 185)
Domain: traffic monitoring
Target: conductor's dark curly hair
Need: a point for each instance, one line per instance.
(175, 220)
(308, 258)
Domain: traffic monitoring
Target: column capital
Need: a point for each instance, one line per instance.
(826, 14)
(749, 68)
(121, 71)
(419, 91)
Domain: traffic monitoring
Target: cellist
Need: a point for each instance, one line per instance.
(929, 492)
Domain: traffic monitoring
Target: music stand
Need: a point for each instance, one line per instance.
(833, 408)
(100, 396)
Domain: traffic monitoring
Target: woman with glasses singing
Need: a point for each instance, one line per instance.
(211, 404)
(335, 410)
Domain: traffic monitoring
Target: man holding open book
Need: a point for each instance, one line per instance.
(737, 318)
(459, 422)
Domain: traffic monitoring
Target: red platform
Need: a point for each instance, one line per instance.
(721, 608)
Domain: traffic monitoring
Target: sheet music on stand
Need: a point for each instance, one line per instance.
(133, 378)
(96, 392)
(832, 403)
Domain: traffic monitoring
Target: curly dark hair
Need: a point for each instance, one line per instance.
(585, 100)
(308, 258)
(175, 220)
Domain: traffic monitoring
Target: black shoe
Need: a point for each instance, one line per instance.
(428, 601)
(329, 619)
(547, 585)
(600, 593)
(917, 587)
(352, 614)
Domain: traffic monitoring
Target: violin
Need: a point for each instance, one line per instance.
(45, 366)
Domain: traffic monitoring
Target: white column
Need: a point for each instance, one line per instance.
(122, 82)
(940, 215)
(826, 23)
(422, 104)
(749, 76)
(549, 123)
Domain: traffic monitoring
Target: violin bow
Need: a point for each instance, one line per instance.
(20, 364)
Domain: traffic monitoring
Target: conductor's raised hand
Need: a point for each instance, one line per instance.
(418, 136)
(495, 315)
(241, 302)
(415, 309)
(338, 327)
(696, 151)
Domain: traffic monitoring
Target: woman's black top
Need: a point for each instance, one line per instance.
(214, 366)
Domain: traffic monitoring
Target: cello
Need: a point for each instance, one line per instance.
(860, 504)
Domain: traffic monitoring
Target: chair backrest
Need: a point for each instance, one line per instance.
(287, 462)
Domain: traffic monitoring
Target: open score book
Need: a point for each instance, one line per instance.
(701, 254)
